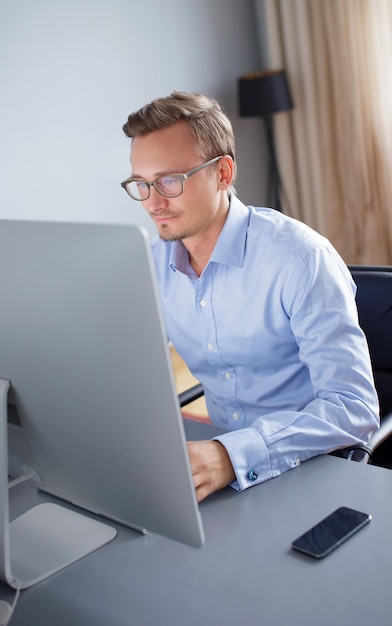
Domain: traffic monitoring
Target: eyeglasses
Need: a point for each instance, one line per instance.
(168, 185)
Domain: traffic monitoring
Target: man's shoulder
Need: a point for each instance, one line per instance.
(279, 230)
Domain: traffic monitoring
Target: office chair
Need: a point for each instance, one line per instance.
(374, 302)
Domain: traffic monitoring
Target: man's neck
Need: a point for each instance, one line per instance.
(201, 247)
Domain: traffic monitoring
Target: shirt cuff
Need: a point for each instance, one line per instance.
(249, 457)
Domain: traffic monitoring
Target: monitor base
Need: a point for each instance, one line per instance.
(46, 538)
(49, 537)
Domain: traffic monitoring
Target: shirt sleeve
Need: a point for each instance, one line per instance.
(318, 298)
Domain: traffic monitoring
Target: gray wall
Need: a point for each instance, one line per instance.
(72, 70)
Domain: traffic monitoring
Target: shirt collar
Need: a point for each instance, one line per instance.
(230, 247)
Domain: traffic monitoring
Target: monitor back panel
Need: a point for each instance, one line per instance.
(93, 401)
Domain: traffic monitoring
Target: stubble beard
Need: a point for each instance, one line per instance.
(166, 235)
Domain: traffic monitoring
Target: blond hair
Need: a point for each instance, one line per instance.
(205, 117)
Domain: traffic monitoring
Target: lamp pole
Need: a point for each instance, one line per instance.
(274, 182)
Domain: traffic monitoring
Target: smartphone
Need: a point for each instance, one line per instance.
(331, 532)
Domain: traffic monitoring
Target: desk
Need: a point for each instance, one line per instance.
(246, 574)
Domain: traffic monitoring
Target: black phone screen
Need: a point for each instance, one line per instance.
(331, 532)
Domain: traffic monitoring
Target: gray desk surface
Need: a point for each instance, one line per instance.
(246, 574)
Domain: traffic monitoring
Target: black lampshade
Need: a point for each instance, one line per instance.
(264, 93)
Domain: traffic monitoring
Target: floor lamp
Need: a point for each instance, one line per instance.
(262, 94)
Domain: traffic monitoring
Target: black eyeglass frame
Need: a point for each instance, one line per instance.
(181, 177)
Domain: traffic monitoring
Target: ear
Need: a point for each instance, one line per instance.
(225, 171)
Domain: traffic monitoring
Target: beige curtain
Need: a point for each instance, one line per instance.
(335, 148)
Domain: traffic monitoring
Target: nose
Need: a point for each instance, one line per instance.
(155, 202)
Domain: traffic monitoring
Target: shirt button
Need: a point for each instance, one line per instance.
(210, 346)
(235, 416)
(251, 476)
(227, 375)
(297, 461)
(203, 302)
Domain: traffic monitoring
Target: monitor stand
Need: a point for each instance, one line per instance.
(46, 538)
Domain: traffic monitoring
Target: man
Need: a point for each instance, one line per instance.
(260, 307)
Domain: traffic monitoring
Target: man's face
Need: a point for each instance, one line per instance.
(203, 205)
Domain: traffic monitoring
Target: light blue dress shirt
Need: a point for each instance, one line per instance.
(270, 329)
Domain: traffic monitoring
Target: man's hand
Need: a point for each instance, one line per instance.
(211, 467)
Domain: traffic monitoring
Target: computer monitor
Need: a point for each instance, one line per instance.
(92, 406)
